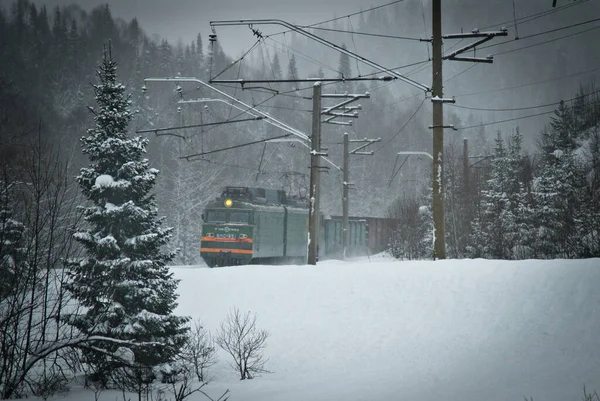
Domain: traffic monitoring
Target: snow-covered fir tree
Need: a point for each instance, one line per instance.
(12, 238)
(556, 192)
(123, 283)
(504, 215)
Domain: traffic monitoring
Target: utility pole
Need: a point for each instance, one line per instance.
(466, 165)
(345, 218)
(439, 245)
(315, 156)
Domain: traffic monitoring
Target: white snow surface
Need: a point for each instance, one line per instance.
(422, 331)
(381, 329)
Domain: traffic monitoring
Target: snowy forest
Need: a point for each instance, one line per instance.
(81, 158)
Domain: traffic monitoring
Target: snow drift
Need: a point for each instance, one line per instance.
(385, 330)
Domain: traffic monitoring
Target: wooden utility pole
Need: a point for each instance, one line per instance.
(466, 165)
(315, 156)
(439, 244)
(345, 195)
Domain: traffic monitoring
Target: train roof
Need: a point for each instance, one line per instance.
(261, 196)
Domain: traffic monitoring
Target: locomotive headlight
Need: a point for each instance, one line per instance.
(242, 236)
(228, 202)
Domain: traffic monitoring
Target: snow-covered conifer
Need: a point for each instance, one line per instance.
(123, 283)
(12, 237)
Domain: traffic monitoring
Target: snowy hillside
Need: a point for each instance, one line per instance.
(385, 330)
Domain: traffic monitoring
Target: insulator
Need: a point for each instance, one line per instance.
(144, 89)
(212, 37)
(179, 89)
(179, 109)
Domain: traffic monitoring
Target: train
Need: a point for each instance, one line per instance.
(246, 225)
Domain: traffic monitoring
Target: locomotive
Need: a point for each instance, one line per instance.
(254, 225)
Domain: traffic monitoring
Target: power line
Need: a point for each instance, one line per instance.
(357, 13)
(234, 147)
(506, 120)
(462, 72)
(524, 108)
(535, 16)
(305, 57)
(511, 119)
(547, 41)
(238, 166)
(533, 35)
(345, 16)
(527, 84)
(403, 126)
(156, 130)
(379, 35)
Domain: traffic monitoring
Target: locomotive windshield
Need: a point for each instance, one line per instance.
(227, 216)
(239, 217)
(216, 216)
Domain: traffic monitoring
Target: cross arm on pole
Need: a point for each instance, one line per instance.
(416, 153)
(368, 142)
(485, 37)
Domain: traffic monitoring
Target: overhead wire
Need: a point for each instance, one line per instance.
(461, 72)
(353, 32)
(533, 35)
(305, 57)
(539, 106)
(535, 16)
(357, 13)
(511, 119)
(545, 42)
(403, 126)
(238, 60)
(354, 44)
(504, 121)
(527, 84)
(187, 157)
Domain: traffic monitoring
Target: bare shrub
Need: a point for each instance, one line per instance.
(200, 351)
(240, 338)
(51, 383)
(179, 379)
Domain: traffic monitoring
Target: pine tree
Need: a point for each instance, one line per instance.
(123, 283)
(276, 67)
(491, 236)
(345, 71)
(562, 133)
(166, 59)
(198, 68)
(292, 72)
(557, 211)
(12, 241)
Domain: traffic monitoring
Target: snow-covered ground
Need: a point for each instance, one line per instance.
(379, 329)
